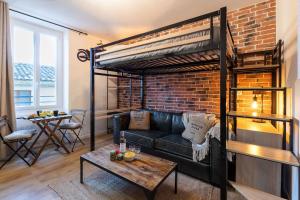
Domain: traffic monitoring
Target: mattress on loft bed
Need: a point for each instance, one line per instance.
(190, 40)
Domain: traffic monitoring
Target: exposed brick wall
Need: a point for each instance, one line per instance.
(183, 92)
(253, 28)
(124, 93)
(245, 98)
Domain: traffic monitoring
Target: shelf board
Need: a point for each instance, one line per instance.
(253, 194)
(258, 89)
(255, 68)
(261, 152)
(254, 59)
(263, 116)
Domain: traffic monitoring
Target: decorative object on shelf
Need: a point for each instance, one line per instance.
(83, 55)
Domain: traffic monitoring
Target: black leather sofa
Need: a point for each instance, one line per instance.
(164, 139)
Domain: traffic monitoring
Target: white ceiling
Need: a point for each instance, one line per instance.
(114, 19)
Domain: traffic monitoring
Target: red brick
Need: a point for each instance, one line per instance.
(253, 28)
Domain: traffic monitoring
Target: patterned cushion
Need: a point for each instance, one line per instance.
(20, 135)
(70, 125)
(139, 120)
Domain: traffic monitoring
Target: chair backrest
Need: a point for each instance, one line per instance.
(4, 124)
(78, 115)
(3, 121)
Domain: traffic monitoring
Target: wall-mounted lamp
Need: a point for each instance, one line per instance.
(254, 105)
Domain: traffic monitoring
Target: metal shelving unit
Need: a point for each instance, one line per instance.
(285, 155)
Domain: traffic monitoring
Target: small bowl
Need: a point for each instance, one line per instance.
(129, 158)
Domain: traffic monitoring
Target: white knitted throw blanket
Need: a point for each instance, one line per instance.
(201, 150)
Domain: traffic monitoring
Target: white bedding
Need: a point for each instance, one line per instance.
(186, 40)
(115, 48)
(148, 47)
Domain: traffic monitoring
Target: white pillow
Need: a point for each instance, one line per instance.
(197, 125)
(200, 129)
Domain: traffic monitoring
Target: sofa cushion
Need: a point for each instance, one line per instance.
(139, 120)
(161, 121)
(143, 137)
(196, 125)
(20, 135)
(177, 124)
(176, 144)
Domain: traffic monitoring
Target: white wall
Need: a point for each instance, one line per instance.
(76, 75)
(287, 23)
(77, 80)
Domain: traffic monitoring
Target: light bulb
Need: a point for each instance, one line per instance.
(254, 114)
(254, 105)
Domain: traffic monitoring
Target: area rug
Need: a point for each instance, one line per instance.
(100, 185)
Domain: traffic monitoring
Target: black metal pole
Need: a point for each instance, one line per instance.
(223, 78)
(284, 177)
(130, 93)
(92, 101)
(28, 15)
(142, 92)
(284, 123)
(107, 92)
(114, 75)
(292, 135)
(279, 62)
(212, 30)
(274, 95)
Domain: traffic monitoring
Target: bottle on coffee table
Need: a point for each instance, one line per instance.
(122, 142)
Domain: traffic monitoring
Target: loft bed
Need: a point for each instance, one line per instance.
(169, 50)
(203, 43)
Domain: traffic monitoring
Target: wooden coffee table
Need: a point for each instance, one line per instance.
(146, 171)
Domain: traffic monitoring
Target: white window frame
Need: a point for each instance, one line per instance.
(37, 30)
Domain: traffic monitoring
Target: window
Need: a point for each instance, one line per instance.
(23, 97)
(37, 61)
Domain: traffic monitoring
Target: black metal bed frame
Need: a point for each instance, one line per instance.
(169, 64)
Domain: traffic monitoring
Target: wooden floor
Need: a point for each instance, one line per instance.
(20, 182)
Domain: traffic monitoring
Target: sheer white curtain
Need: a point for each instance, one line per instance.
(7, 106)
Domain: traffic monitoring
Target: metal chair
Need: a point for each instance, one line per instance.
(20, 137)
(74, 125)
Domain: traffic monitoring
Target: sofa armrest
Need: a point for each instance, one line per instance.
(120, 122)
(215, 160)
